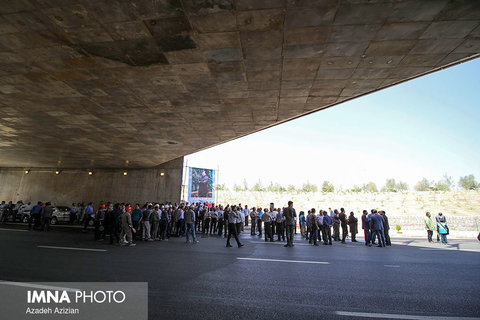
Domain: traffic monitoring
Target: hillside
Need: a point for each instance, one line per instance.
(406, 209)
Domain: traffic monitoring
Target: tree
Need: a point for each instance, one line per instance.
(401, 186)
(221, 187)
(274, 187)
(468, 182)
(392, 186)
(422, 185)
(237, 188)
(258, 186)
(389, 186)
(271, 187)
(445, 184)
(309, 187)
(245, 185)
(327, 187)
(370, 187)
(356, 189)
(291, 188)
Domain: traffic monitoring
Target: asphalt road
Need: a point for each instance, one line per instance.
(409, 280)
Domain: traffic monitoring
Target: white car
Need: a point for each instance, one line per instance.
(60, 214)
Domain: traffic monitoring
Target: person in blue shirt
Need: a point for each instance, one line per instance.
(259, 221)
(88, 216)
(442, 228)
(327, 223)
(136, 220)
(35, 216)
(303, 223)
(73, 213)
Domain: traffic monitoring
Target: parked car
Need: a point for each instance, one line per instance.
(22, 214)
(61, 214)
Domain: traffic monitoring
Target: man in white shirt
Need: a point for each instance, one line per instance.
(246, 213)
(180, 221)
(319, 220)
(280, 222)
(241, 219)
(233, 219)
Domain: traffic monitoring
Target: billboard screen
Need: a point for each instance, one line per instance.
(201, 185)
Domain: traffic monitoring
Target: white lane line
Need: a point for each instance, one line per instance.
(398, 316)
(72, 248)
(34, 285)
(430, 248)
(391, 265)
(291, 261)
(3, 229)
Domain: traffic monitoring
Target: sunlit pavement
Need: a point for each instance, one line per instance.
(410, 280)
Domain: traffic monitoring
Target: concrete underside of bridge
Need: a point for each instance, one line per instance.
(136, 83)
(161, 184)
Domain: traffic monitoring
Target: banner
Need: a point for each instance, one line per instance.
(201, 184)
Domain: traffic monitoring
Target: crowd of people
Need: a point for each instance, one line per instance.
(317, 228)
(123, 223)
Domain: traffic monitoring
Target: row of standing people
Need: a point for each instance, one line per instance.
(148, 223)
(376, 227)
(159, 222)
(271, 222)
(317, 227)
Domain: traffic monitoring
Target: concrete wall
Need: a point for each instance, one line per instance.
(140, 185)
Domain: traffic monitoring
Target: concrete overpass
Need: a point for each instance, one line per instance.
(111, 85)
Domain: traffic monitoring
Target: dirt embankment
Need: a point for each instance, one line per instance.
(407, 209)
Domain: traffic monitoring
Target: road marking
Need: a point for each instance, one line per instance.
(3, 229)
(391, 265)
(276, 260)
(430, 248)
(34, 285)
(398, 316)
(72, 248)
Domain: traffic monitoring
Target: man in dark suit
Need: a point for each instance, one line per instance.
(372, 235)
(366, 227)
(290, 216)
(378, 230)
(343, 223)
(386, 228)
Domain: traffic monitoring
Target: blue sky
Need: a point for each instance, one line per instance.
(425, 127)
